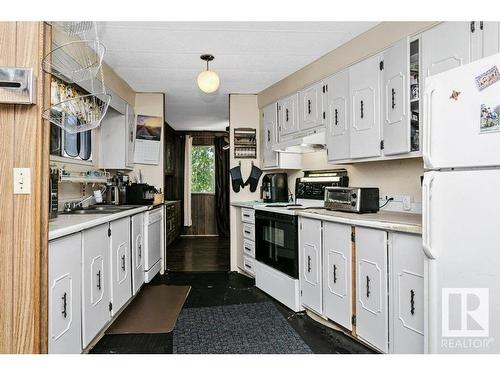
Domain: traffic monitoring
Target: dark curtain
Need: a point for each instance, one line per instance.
(221, 187)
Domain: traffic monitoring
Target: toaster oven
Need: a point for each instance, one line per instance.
(352, 199)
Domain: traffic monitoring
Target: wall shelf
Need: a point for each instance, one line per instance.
(245, 143)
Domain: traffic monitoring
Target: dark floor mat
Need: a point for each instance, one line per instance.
(255, 328)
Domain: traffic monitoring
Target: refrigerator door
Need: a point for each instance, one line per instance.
(461, 116)
(461, 221)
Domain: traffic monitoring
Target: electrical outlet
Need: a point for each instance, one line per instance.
(22, 181)
(406, 202)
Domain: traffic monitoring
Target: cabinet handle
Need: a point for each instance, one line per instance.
(123, 262)
(131, 136)
(412, 302)
(393, 94)
(248, 249)
(286, 115)
(65, 300)
(309, 106)
(99, 280)
(361, 109)
(140, 251)
(308, 264)
(268, 135)
(246, 215)
(367, 287)
(334, 274)
(336, 116)
(247, 232)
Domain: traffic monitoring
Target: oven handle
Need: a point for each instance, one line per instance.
(288, 219)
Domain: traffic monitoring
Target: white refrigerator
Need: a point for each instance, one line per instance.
(461, 208)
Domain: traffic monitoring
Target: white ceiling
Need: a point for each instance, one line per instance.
(249, 56)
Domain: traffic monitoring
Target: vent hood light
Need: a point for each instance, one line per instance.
(304, 144)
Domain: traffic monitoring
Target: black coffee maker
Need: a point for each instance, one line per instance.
(274, 188)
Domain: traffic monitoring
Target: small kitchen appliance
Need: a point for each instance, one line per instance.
(358, 200)
(141, 194)
(274, 187)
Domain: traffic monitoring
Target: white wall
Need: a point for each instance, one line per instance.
(151, 104)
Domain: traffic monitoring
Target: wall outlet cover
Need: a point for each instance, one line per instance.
(22, 181)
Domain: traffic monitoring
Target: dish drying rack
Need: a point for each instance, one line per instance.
(86, 177)
(75, 61)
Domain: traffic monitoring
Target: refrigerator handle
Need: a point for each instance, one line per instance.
(426, 147)
(427, 212)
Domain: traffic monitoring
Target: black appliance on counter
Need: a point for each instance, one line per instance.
(142, 194)
(313, 184)
(274, 188)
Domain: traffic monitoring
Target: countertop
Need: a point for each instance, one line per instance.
(170, 203)
(387, 220)
(249, 204)
(65, 224)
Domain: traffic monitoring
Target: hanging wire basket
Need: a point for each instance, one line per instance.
(80, 113)
(74, 27)
(76, 61)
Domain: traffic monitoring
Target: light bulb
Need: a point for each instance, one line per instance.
(208, 81)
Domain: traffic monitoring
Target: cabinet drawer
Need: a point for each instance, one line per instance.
(249, 231)
(249, 265)
(249, 248)
(248, 215)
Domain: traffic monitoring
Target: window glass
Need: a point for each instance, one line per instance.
(203, 169)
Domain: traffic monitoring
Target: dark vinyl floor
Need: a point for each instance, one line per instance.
(198, 254)
(225, 288)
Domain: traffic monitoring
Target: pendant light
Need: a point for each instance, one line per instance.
(208, 80)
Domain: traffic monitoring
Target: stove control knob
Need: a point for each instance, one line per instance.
(353, 203)
(354, 196)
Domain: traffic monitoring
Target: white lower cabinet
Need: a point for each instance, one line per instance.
(407, 293)
(337, 275)
(371, 287)
(137, 239)
(121, 275)
(65, 295)
(95, 279)
(310, 263)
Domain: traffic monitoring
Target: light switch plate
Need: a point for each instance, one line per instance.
(22, 181)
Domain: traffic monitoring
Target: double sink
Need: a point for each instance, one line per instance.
(99, 209)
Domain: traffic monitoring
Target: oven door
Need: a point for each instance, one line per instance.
(276, 241)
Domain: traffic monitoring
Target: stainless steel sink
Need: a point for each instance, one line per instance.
(100, 209)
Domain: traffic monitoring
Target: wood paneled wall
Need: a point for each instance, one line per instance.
(24, 225)
(203, 216)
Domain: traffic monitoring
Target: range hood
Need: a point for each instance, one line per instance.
(303, 144)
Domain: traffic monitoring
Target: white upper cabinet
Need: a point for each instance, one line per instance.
(336, 106)
(364, 88)
(395, 101)
(118, 139)
(288, 116)
(121, 272)
(445, 47)
(311, 106)
(485, 39)
(65, 302)
(310, 263)
(371, 287)
(269, 137)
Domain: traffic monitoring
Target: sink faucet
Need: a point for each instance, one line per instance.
(70, 206)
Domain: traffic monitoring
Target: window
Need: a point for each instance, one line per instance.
(203, 169)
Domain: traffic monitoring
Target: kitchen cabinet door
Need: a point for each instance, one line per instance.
(137, 237)
(395, 90)
(336, 106)
(310, 263)
(65, 302)
(311, 106)
(485, 39)
(287, 116)
(337, 273)
(96, 281)
(121, 265)
(445, 47)
(364, 88)
(406, 299)
(371, 287)
(270, 118)
(131, 128)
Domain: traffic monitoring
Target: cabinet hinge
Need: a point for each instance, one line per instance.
(109, 232)
(381, 65)
(110, 306)
(353, 320)
(382, 144)
(353, 237)
(472, 26)
(324, 115)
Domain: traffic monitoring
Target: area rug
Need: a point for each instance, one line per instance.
(254, 328)
(154, 310)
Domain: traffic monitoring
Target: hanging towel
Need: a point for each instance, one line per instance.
(236, 179)
(253, 179)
